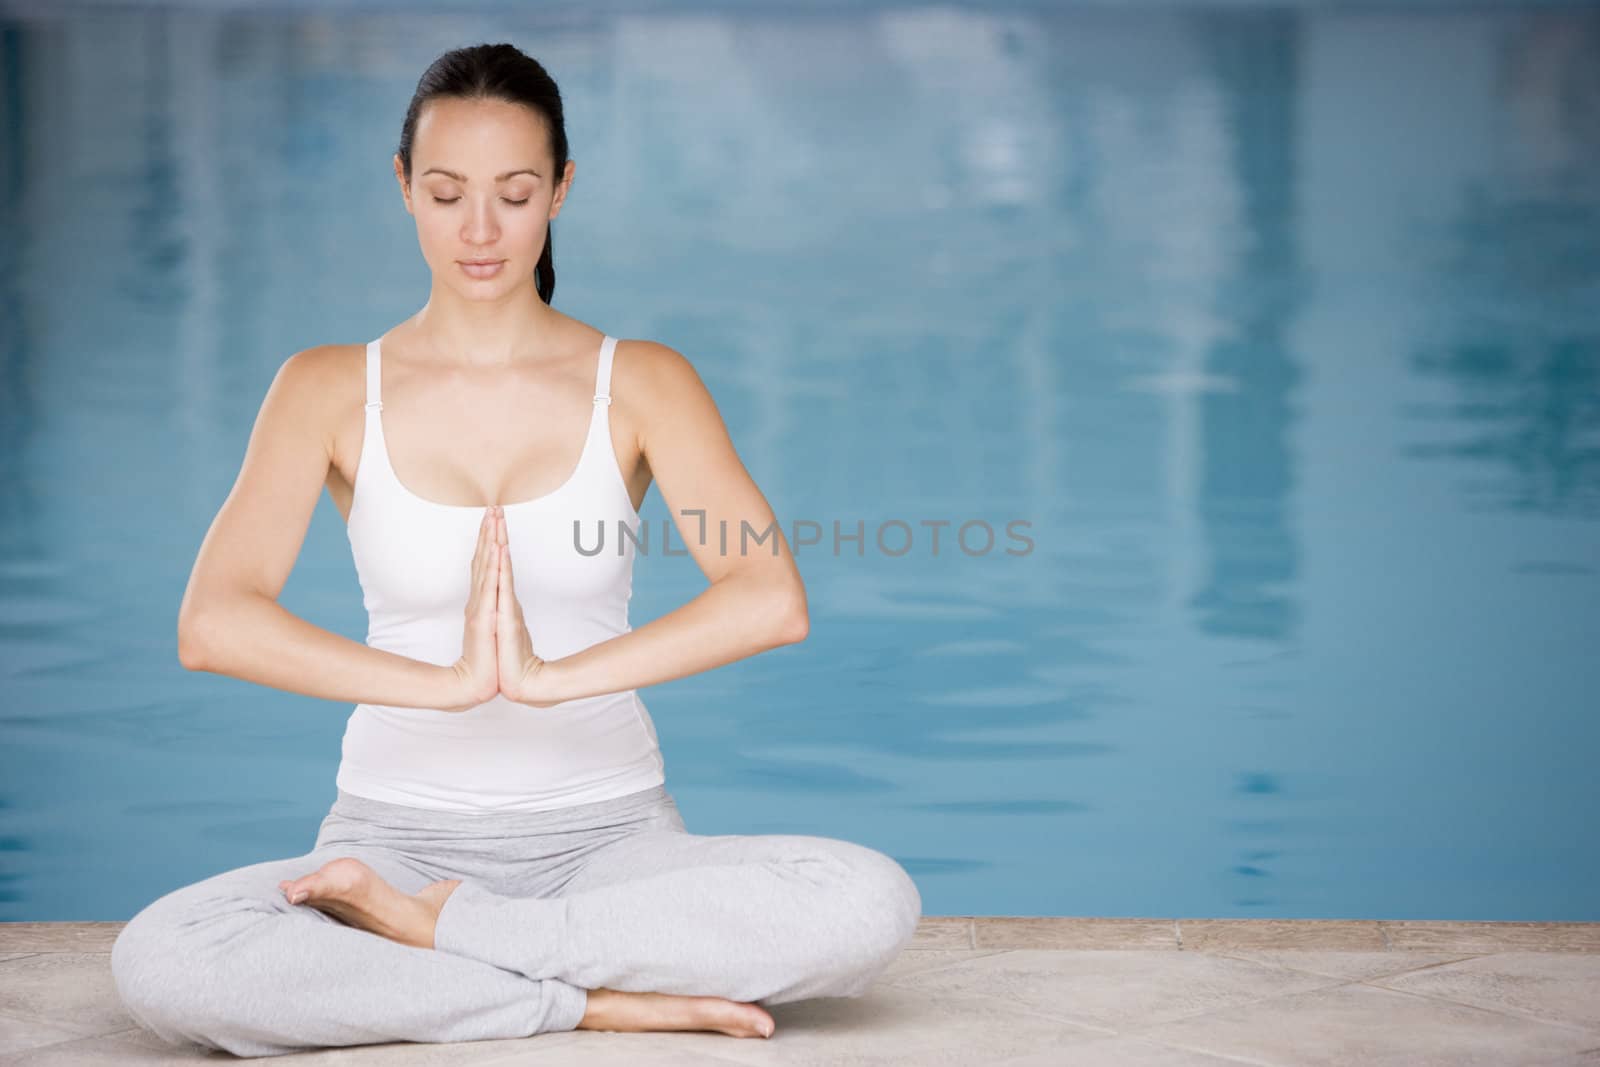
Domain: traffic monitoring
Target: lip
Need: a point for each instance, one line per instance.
(481, 268)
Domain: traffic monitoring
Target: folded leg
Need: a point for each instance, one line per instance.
(754, 918)
(229, 963)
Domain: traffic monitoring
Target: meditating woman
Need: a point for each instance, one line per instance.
(502, 857)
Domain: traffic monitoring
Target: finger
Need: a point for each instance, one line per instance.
(486, 583)
(481, 558)
(509, 583)
(490, 579)
(482, 581)
(501, 630)
(477, 552)
(508, 592)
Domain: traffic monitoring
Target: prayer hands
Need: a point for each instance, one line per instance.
(524, 677)
(497, 654)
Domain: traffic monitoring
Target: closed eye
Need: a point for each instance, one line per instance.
(453, 199)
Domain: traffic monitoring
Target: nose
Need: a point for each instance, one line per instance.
(480, 227)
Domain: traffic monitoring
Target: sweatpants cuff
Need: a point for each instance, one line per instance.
(568, 1004)
(464, 919)
(519, 934)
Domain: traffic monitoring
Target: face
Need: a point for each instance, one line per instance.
(482, 189)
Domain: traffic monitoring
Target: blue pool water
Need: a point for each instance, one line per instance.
(1278, 328)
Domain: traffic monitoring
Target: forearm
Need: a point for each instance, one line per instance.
(256, 639)
(731, 620)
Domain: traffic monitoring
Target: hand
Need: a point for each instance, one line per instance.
(524, 677)
(477, 668)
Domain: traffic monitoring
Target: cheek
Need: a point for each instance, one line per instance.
(434, 228)
(527, 223)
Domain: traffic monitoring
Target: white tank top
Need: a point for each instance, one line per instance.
(413, 558)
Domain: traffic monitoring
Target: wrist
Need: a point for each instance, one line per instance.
(552, 684)
(454, 688)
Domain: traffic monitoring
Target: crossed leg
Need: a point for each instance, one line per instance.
(750, 918)
(229, 963)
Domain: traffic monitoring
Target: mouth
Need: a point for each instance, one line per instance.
(481, 268)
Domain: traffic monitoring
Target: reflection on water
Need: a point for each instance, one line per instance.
(1517, 411)
(1279, 329)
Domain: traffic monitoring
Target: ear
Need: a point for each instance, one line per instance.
(562, 188)
(400, 177)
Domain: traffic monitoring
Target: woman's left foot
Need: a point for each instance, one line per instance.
(357, 895)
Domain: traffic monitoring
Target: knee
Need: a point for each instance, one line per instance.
(160, 974)
(888, 904)
(900, 902)
(141, 972)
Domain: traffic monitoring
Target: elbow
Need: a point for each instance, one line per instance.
(191, 649)
(796, 619)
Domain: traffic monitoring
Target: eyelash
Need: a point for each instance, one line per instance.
(452, 200)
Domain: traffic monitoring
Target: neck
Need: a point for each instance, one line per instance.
(485, 333)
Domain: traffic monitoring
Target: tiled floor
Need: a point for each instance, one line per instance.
(1016, 992)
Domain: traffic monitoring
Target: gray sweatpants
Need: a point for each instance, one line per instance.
(616, 895)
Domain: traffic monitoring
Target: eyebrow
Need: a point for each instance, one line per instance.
(497, 177)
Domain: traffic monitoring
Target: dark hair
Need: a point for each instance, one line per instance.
(495, 72)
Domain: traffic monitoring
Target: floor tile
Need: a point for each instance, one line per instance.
(19, 1033)
(58, 937)
(1352, 966)
(537, 1049)
(1114, 990)
(599, 1049)
(893, 1027)
(1058, 933)
(1356, 1023)
(1223, 934)
(914, 962)
(72, 990)
(942, 931)
(1483, 937)
(1559, 987)
(1121, 1051)
(111, 1050)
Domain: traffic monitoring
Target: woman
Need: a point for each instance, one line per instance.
(503, 857)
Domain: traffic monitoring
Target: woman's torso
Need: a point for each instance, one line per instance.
(428, 433)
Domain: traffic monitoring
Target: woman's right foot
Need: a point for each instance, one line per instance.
(612, 1009)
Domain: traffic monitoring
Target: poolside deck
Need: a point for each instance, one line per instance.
(1019, 992)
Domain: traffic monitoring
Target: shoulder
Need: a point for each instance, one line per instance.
(320, 384)
(662, 395)
(649, 369)
(322, 366)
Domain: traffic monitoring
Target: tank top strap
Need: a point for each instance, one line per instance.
(602, 378)
(374, 376)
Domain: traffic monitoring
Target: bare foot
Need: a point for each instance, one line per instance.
(355, 894)
(612, 1009)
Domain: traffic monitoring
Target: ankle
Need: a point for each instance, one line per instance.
(599, 1012)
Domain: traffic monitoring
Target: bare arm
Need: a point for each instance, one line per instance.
(230, 621)
(756, 600)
